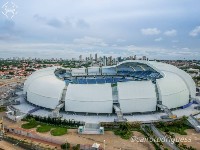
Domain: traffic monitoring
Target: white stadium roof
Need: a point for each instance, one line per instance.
(44, 88)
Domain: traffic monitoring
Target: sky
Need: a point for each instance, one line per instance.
(158, 29)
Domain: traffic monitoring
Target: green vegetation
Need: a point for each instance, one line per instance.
(58, 131)
(44, 128)
(31, 124)
(77, 147)
(55, 121)
(2, 109)
(184, 147)
(65, 146)
(177, 126)
(149, 135)
(124, 131)
(197, 78)
(114, 84)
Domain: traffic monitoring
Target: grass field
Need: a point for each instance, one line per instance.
(2, 109)
(58, 131)
(180, 130)
(30, 125)
(42, 128)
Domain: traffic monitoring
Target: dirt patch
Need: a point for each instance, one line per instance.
(192, 136)
(112, 142)
(8, 146)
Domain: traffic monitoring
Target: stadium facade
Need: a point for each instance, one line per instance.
(130, 87)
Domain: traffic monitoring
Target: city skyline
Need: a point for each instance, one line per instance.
(156, 29)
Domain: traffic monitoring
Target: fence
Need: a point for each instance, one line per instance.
(38, 137)
(34, 136)
(23, 145)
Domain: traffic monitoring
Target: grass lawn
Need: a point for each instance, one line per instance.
(2, 109)
(180, 130)
(44, 128)
(30, 125)
(177, 126)
(58, 131)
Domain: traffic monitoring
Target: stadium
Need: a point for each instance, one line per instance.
(130, 87)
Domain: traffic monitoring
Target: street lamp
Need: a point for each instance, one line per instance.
(18, 142)
(66, 143)
(104, 144)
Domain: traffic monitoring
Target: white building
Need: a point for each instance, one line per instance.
(134, 86)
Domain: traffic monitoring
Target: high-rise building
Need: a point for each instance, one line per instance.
(90, 56)
(104, 60)
(144, 57)
(80, 58)
(96, 57)
(119, 59)
(109, 61)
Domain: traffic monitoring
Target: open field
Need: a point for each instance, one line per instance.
(112, 141)
(8, 146)
(192, 136)
(9, 81)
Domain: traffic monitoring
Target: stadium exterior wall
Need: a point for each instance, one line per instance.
(137, 96)
(173, 91)
(91, 98)
(45, 91)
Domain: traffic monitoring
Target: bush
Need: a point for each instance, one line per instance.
(65, 146)
(77, 147)
(58, 131)
(2, 109)
(124, 131)
(32, 124)
(44, 128)
(177, 126)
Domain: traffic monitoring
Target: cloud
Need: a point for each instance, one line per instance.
(150, 31)
(94, 25)
(39, 18)
(90, 41)
(186, 49)
(76, 48)
(175, 41)
(55, 23)
(121, 40)
(81, 23)
(8, 37)
(195, 32)
(7, 26)
(158, 39)
(172, 32)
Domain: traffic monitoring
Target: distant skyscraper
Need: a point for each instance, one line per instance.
(114, 61)
(96, 57)
(104, 60)
(80, 58)
(90, 56)
(144, 57)
(135, 57)
(131, 57)
(109, 60)
(119, 59)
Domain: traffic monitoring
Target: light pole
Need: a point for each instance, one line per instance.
(18, 142)
(104, 144)
(66, 143)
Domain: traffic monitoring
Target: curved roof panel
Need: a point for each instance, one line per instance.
(173, 91)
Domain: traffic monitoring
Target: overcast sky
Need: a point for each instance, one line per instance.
(160, 29)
